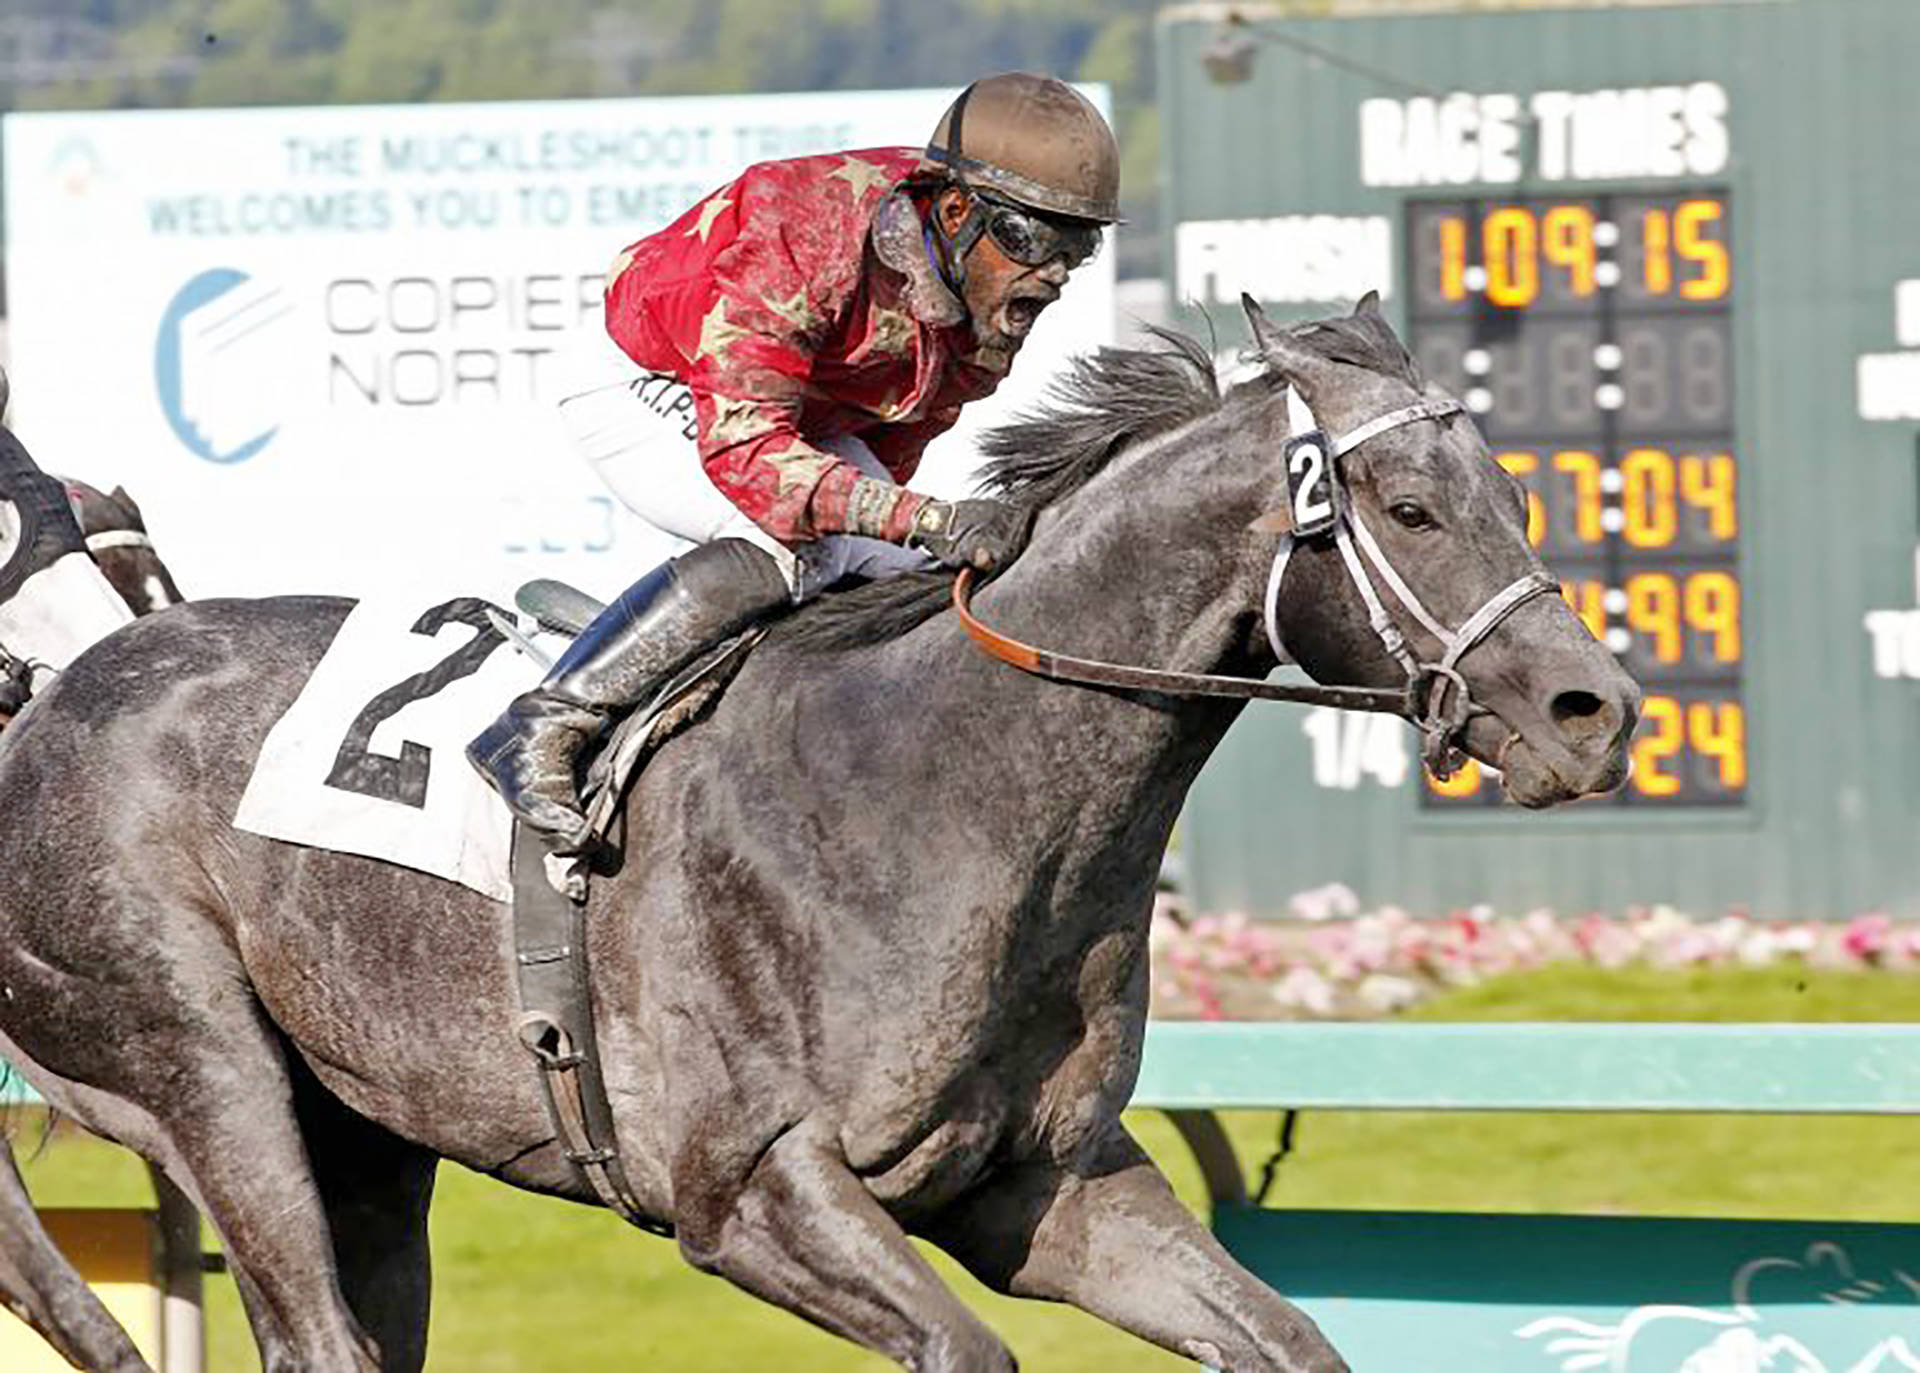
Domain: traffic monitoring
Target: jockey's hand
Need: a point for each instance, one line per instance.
(985, 535)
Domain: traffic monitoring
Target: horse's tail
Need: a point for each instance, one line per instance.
(42, 1288)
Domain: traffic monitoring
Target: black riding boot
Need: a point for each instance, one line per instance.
(659, 624)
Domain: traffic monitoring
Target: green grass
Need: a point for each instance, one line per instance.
(527, 1285)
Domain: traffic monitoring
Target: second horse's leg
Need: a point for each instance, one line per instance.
(376, 1188)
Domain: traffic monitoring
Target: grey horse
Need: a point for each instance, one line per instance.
(875, 963)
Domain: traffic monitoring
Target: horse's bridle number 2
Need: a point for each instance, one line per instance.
(356, 767)
(1310, 484)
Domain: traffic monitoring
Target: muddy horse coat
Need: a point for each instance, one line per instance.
(876, 961)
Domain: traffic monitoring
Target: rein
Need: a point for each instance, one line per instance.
(1435, 697)
(1094, 672)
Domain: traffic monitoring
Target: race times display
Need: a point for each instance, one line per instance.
(1591, 338)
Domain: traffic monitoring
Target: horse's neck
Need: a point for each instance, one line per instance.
(1149, 564)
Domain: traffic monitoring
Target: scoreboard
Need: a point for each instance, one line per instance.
(1680, 296)
(1592, 340)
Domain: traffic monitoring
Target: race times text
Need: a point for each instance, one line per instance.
(1591, 338)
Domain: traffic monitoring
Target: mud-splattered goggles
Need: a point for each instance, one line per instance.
(1033, 239)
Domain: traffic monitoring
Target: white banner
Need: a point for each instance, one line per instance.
(316, 345)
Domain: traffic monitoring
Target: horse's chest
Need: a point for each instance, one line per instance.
(1043, 1104)
(941, 1158)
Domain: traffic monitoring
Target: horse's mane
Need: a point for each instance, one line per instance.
(1106, 402)
(1362, 339)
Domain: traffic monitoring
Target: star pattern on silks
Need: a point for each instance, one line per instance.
(823, 344)
(710, 210)
(736, 421)
(620, 264)
(796, 310)
(718, 333)
(799, 466)
(861, 176)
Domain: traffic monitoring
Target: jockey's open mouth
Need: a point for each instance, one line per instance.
(1023, 305)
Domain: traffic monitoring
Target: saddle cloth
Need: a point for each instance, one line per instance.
(369, 759)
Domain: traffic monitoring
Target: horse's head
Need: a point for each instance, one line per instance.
(1435, 532)
(116, 535)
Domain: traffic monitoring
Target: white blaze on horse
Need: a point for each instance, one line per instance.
(871, 961)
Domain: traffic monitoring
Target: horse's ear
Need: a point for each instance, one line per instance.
(1266, 335)
(1282, 353)
(1369, 304)
(128, 504)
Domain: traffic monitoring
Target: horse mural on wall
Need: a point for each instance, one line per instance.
(873, 962)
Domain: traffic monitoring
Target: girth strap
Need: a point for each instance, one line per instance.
(556, 1027)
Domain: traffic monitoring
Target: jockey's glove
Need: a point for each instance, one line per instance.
(985, 535)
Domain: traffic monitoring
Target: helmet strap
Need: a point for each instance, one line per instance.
(956, 247)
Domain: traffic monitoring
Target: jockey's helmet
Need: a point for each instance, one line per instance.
(1033, 140)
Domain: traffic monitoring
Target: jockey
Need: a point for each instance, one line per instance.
(787, 349)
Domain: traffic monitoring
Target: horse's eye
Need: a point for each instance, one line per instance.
(1410, 515)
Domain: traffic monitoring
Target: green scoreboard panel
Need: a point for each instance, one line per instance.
(1667, 256)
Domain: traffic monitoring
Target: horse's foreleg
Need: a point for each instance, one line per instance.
(1111, 1238)
(804, 1234)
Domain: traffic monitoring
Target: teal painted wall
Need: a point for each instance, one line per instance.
(1824, 183)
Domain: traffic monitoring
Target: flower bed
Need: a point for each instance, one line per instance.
(1335, 961)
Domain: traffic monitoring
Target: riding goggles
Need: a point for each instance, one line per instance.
(1033, 239)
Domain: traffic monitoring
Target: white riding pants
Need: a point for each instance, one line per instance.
(636, 430)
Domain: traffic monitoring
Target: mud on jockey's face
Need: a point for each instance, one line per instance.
(1017, 265)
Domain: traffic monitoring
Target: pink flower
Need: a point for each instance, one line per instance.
(1867, 938)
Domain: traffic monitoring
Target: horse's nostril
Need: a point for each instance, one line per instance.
(1571, 709)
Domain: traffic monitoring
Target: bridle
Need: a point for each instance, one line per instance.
(118, 538)
(1435, 697)
(16, 685)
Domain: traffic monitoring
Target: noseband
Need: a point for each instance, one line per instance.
(1435, 697)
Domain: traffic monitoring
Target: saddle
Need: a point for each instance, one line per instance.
(615, 759)
(549, 900)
